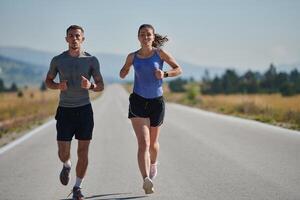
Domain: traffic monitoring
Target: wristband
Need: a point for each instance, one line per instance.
(166, 74)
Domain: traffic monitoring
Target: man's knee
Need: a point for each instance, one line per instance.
(64, 155)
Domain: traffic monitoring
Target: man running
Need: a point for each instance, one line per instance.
(74, 114)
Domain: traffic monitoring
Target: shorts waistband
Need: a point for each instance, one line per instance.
(75, 108)
(147, 99)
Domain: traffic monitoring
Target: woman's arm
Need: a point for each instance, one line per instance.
(128, 63)
(176, 69)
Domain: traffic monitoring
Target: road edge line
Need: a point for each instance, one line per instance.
(18, 141)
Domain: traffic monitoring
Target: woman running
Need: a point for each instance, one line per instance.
(147, 107)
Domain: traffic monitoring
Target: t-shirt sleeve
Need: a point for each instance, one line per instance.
(53, 68)
(96, 68)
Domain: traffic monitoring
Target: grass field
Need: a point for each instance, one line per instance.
(20, 113)
(268, 108)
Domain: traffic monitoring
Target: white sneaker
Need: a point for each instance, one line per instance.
(148, 186)
(153, 171)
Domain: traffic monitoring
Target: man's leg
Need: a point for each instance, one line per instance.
(64, 150)
(64, 155)
(82, 163)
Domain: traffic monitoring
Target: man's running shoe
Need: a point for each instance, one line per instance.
(148, 186)
(77, 195)
(153, 171)
(65, 175)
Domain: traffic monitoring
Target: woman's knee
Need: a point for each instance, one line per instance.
(154, 145)
(144, 145)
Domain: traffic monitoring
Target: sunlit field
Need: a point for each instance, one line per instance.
(269, 108)
(20, 111)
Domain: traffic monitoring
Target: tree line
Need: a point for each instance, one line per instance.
(12, 88)
(249, 83)
(15, 88)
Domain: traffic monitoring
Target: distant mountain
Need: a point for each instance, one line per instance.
(20, 72)
(110, 63)
(36, 57)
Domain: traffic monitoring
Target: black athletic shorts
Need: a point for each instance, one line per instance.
(154, 109)
(78, 121)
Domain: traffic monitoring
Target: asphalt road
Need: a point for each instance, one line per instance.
(204, 156)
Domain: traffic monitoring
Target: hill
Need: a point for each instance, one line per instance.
(110, 63)
(20, 72)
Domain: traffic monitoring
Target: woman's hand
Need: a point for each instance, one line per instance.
(159, 74)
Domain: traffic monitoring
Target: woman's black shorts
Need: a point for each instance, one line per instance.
(78, 121)
(154, 109)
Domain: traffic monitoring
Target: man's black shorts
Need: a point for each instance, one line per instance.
(78, 121)
(154, 109)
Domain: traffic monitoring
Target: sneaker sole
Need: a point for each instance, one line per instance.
(64, 180)
(148, 187)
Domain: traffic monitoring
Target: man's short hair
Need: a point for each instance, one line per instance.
(75, 27)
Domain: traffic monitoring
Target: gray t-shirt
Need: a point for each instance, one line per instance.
(71, 69)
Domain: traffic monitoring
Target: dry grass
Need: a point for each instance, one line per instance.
(18, 114)
(274, 101)
(269, 108)
(21, 113)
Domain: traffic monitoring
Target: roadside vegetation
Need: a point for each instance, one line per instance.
(270, 97)
(23, 109)
(269, 108)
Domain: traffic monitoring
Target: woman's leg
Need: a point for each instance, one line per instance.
(141, 128)
(154, 145)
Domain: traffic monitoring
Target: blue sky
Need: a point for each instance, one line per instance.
(225, 33)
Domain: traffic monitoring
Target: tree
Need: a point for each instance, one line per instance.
(13, 87)
(249, 83)
(281, 79)
(287, 89)
(216, 86)
(230, 82)
(268, 82)
(43, 87)
(294, 78)
(2, 88)
(177, 85)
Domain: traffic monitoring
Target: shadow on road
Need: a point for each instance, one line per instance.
(106, 196)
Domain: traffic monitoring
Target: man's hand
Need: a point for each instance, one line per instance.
(85, 83)
(63, 85)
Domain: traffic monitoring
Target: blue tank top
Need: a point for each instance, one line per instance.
(145, 82)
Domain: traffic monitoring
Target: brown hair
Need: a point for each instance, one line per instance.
(158, 39)
(74, 27)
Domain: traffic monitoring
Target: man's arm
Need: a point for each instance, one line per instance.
(53, 85)
(98, 85)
